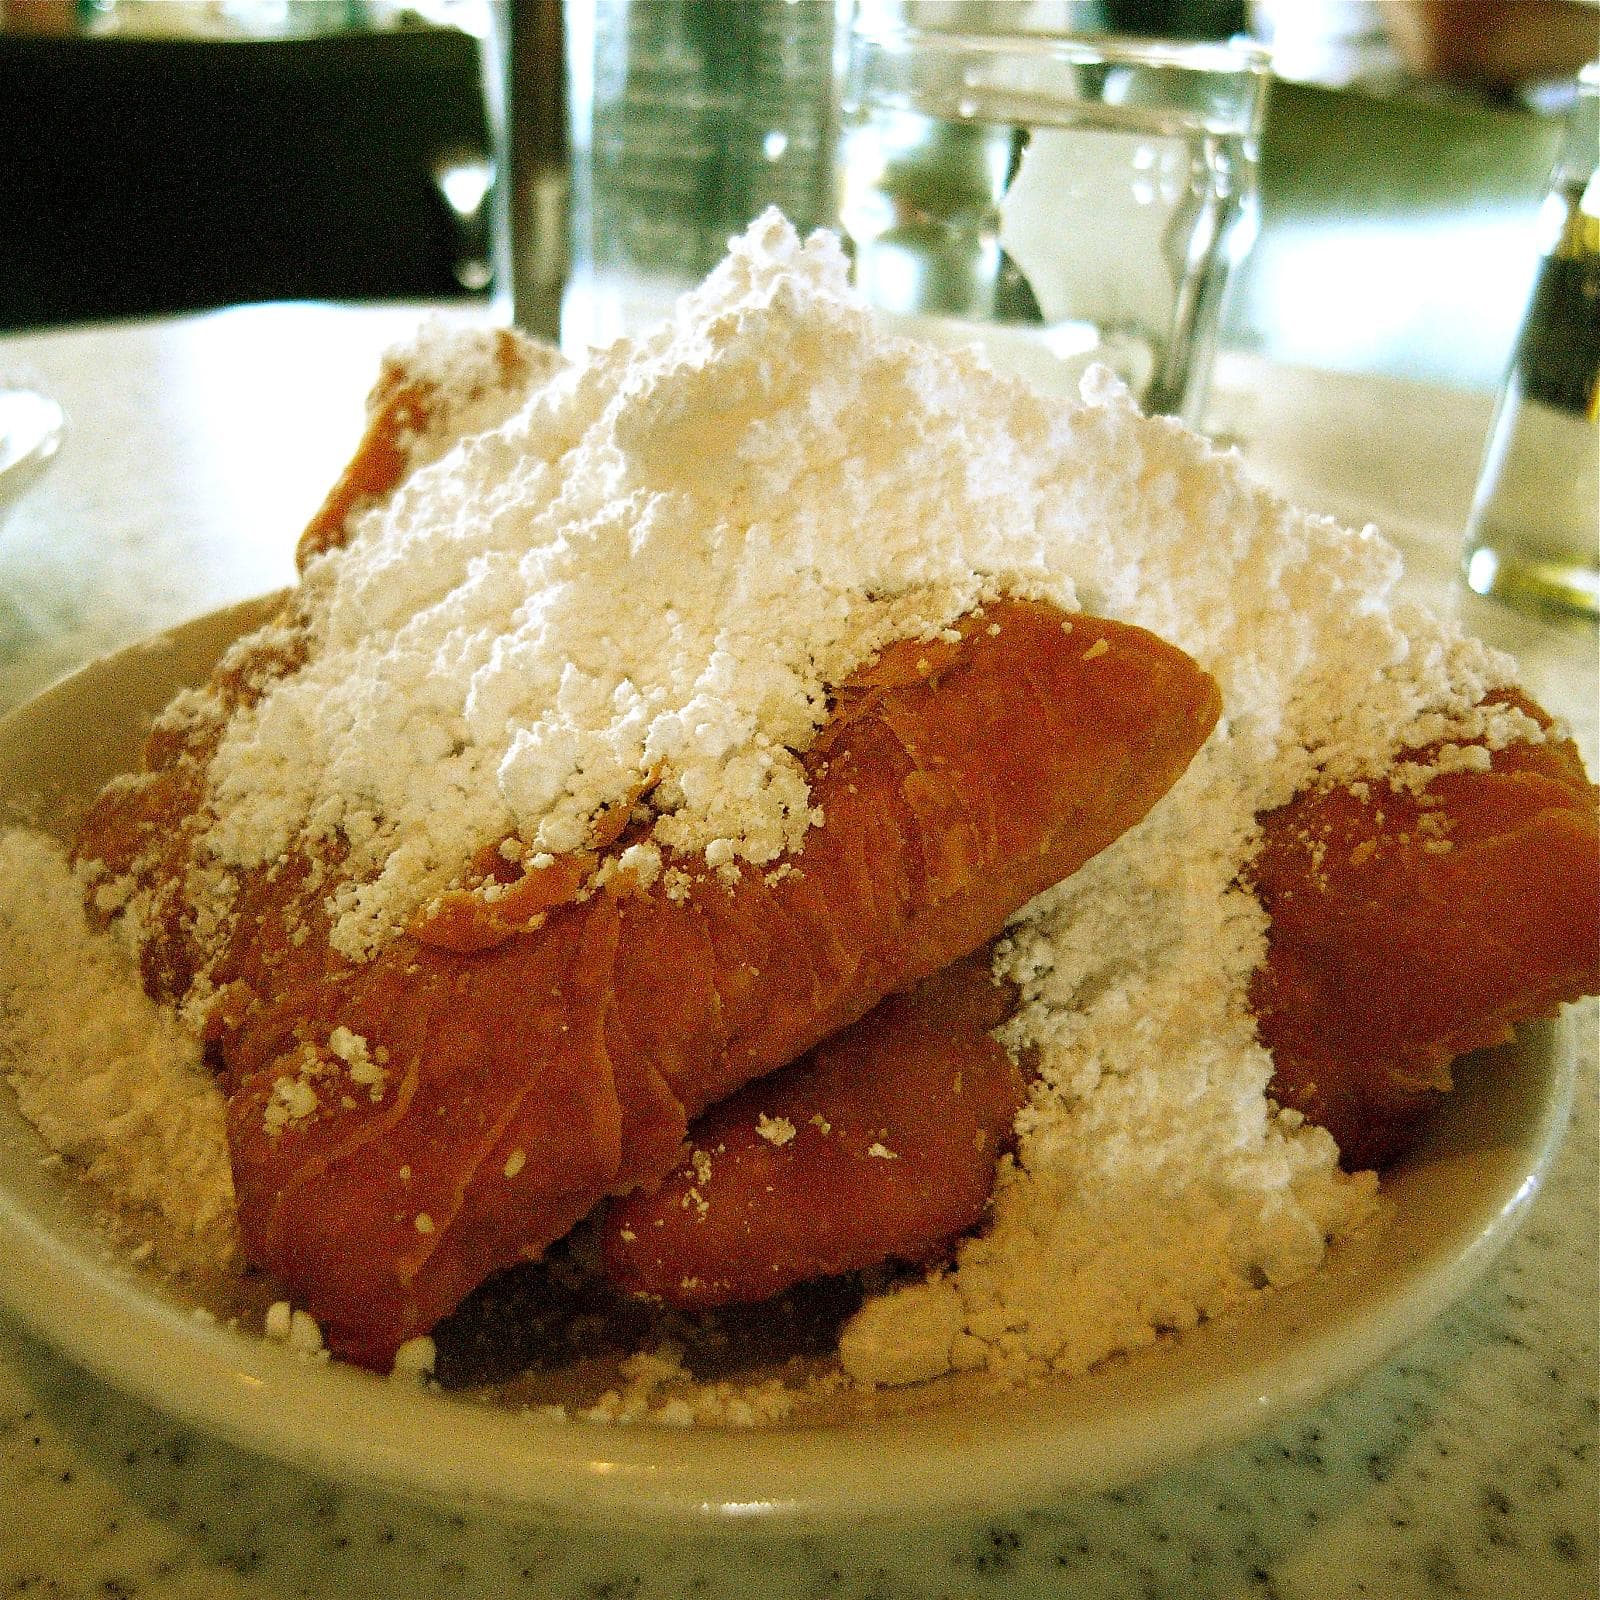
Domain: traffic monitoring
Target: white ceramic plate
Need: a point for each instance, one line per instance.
(1455, 1204)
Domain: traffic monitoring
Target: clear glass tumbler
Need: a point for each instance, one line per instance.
(1533, 535)
(1061, 199)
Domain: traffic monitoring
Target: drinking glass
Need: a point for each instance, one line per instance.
(1061, 199)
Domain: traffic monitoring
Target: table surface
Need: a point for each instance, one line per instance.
(1465, 1466)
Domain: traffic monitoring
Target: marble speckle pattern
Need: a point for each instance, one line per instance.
(1465, 1466)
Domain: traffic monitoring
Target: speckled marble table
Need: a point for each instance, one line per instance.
(1465, 1466)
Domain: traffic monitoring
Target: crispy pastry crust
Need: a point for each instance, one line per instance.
(525, 1079)
(1408, 929)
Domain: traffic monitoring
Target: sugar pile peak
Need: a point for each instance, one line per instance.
(655, 566)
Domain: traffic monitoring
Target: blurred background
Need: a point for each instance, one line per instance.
(167, 155)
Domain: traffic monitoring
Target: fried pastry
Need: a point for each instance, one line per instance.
(581, 783)
(878, 1145)
(1410, 926)
(402, 1126)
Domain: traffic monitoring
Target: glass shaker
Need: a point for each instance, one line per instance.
(1534, 531)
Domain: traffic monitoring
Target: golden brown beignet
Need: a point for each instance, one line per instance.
(524, 1079)
(1407, 929)
(879, 1144)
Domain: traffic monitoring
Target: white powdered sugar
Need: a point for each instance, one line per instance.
(1154, 1184)
(648, 568)
(110, 1080)
(461, 369)
(653, 569)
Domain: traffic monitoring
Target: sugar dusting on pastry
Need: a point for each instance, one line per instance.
(655, 566)
(658, 561)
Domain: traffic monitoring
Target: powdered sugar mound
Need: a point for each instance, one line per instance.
(655, 567)
(110, 1080)
(1321, 673)
(1154, 1184)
